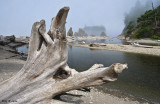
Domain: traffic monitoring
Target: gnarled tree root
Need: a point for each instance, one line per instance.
(46, 73)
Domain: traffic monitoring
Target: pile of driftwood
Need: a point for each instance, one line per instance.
(97, 44)
(13, 41)
(22, 39)
(46, 73)
(4, 40)
(139, 45)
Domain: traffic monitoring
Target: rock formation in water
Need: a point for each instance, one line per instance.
(80, 33)
(70, 32)
(91, 31)
(94, 30)
(103, 34)
(4, 40)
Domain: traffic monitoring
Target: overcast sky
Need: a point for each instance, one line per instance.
(17, 16)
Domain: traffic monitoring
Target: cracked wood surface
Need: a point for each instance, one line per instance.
(46, 73)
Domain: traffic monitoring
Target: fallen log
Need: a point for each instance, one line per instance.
(22, 39)
(139, 45)
(4, 40)
(97, 44)
(46, 73)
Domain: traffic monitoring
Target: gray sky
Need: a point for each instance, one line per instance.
(17, 16)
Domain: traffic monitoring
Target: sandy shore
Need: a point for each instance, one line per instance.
(72, 39)
(11, 63)
(97, 97)
(141, 41)
(9, 67)
(124, 48)
(144, 41)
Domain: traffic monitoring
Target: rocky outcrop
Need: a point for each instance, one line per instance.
(4, 40)
(146, 25)
(103, 34)
(80, 33)
(10, 38)
(22, 39)
(13, 41)
(94, 30)
(70, 32)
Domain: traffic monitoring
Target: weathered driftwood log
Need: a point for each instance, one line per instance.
(46, 73)
(139, 45)
(97, 44)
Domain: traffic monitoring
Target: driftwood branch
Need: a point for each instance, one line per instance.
(46, 73)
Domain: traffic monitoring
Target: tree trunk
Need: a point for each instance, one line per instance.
(46, 73)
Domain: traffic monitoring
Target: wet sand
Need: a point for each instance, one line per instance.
(97, 97)
(9, 67)
(10, 63)
(144, 41)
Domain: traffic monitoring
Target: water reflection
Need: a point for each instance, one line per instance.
(141, 79)
(23, 49)
(70, 47)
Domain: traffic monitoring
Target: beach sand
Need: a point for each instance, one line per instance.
(10, 65)
(144, 41)
(124, 48)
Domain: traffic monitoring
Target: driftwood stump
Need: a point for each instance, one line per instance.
(46, 73)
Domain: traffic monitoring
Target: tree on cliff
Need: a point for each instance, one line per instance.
(147, 25)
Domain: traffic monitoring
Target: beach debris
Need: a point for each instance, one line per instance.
(97, 44)
(22, 39)
(82, 42)
(13, 41)
(136, 44)
(4, 40)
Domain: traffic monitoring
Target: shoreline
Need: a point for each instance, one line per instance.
(141, 41)
(145, 41)
(96, 96)
(10, 66)
(123, 48)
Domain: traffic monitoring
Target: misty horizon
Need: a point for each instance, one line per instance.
(18, 16)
